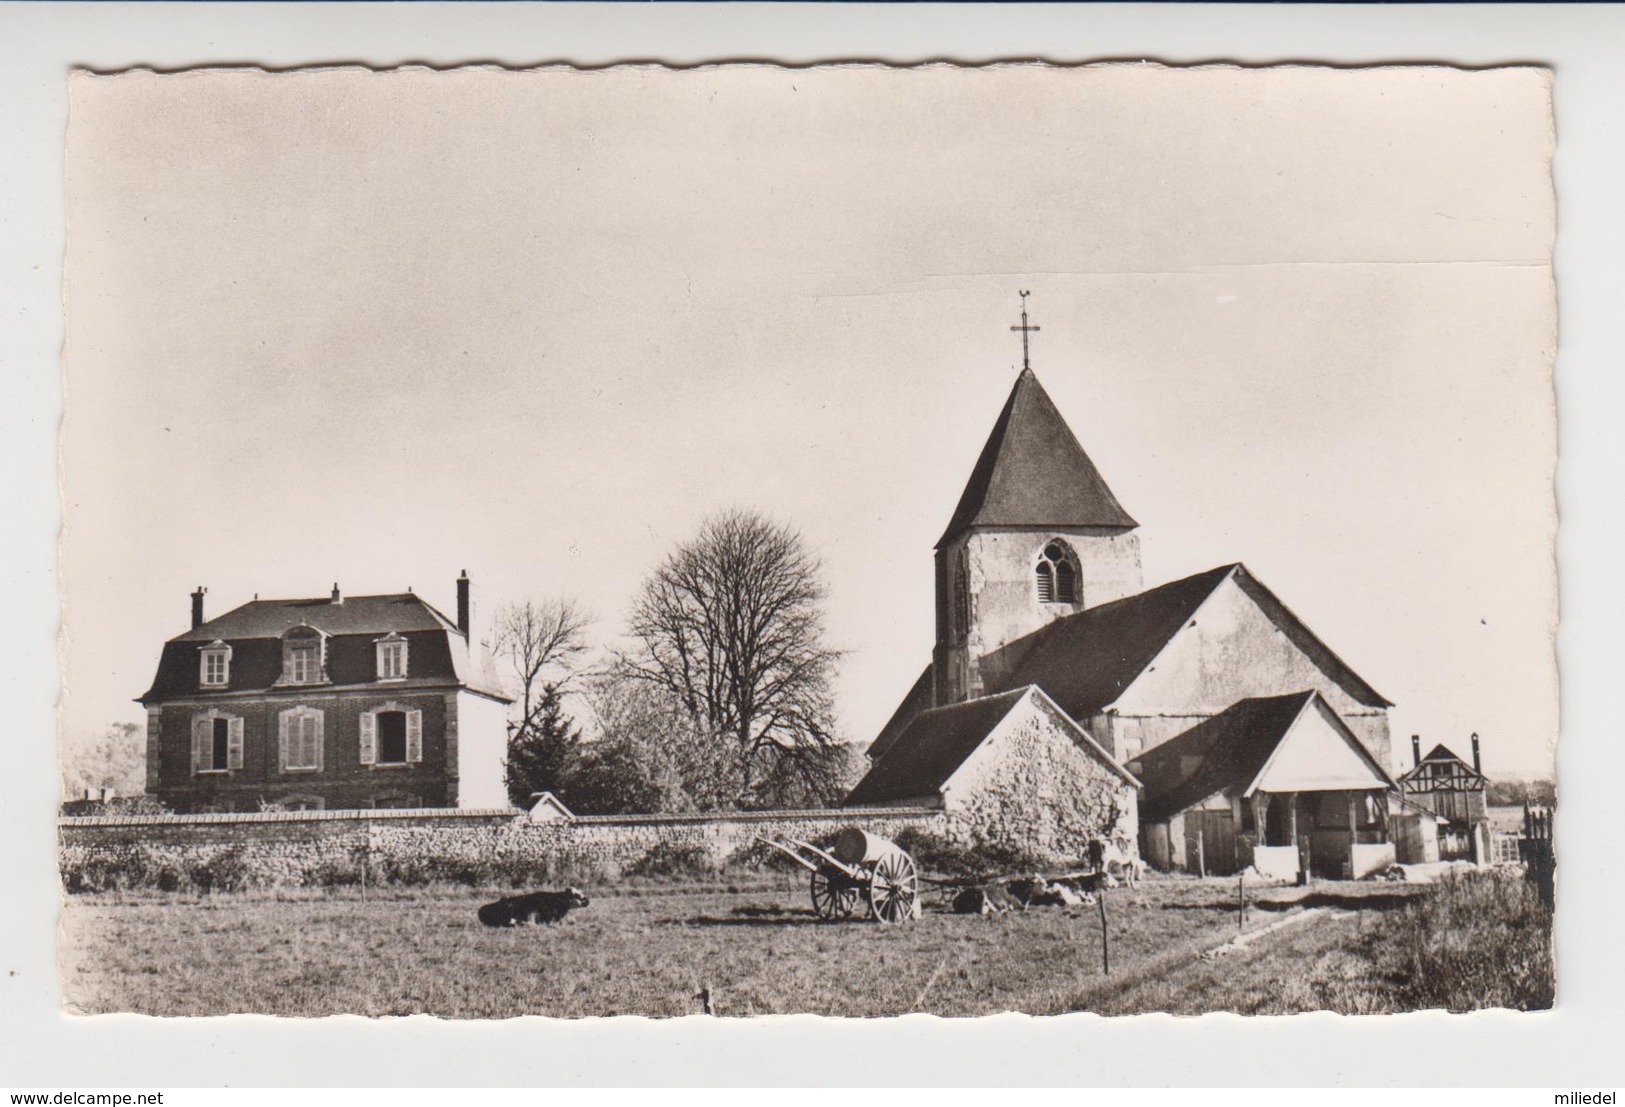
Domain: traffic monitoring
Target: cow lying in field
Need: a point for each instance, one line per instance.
(988, 899)
(533, 909)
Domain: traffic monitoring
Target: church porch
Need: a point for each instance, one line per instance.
(1339, 834)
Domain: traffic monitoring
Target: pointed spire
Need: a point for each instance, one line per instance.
(1033, 473)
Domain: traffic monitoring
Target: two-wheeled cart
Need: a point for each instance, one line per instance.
(858, 865)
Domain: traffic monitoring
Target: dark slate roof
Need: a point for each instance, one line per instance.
(1231, 747)
(920, 697)
(1085, 661)
(356, 615)
(931, 750)
(438, 653)
(1032, 472)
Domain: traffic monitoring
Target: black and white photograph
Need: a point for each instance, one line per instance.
(852, 540)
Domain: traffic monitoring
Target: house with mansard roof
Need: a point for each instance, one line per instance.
(1038, 586)
(328, 702)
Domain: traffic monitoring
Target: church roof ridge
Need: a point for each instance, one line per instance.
(1124, 637)
(1032, 471)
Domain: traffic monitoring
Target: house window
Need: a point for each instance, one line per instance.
(392, 735)
(392, 658)
(1057, 575)
(217, 743)
(302, 656)
(216, 672)
(301, 743)
(221, 739)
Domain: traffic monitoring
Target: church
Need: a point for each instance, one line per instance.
(1248, 741)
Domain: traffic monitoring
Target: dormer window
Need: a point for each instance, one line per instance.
(391, 657)
(215, 666)
(1057, 575)
(302, 656)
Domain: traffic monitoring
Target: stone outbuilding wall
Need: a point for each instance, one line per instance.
(1038, 783)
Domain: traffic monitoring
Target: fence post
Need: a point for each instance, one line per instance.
(1241, 900)
(1201, 857)
(1105, 935)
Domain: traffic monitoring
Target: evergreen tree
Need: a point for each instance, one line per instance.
(543, 751)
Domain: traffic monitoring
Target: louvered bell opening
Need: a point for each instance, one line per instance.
(1046, 583)
(1066, 583)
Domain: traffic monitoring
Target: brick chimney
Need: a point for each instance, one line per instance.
(337, 596)
(197, 606)
(1476, 767)
(1416, 748)
(464, 605)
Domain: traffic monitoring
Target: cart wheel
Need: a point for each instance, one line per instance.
(894, 887)
(832, 900)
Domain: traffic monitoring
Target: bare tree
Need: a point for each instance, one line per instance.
(540, 643)
(730, 627)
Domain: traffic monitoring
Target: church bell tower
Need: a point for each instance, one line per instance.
(1037, 536)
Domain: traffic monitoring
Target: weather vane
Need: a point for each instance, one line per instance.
(1025, 331)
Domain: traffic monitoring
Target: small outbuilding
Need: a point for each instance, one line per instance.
(1277, 783)
(1011, 770)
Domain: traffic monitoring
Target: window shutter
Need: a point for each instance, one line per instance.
(414, 736)
(282, 742)
(369, 737)
(316, 732)
(202, 738)
(234, 744)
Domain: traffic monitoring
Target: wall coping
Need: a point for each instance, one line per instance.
(382, 814)
(780, 815)
(421, 814)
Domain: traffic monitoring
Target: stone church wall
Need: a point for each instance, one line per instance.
(1230, 651)
(1003, 599)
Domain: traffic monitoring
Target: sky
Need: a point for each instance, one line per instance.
(378, 328)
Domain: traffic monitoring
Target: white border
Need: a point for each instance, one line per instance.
(1574, 1047)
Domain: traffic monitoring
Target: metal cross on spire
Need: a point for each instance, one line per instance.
(1025, 331)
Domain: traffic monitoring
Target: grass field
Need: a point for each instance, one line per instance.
(758, 951)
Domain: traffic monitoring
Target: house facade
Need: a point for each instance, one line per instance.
(1039, 585)
(1457, 794)
(324, 703)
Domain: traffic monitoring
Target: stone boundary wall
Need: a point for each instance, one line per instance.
(288, 848)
